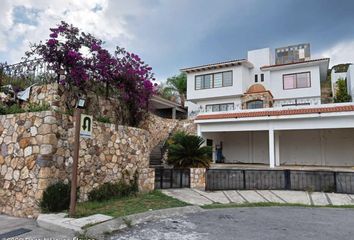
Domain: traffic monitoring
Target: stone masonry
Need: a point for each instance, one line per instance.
(36, 150)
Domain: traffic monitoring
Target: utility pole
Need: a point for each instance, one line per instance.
(74, 167)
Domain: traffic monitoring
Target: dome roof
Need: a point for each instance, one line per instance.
(256, 88)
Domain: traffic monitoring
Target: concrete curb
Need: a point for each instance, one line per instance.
(100, 231)
(63, 224)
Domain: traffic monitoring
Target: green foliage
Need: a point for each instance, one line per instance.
(103, 119)
(177, 85)
(186, 151)
(113, 190)
(341, 92)
(56, 198)
(13, 109)
(36, 107)
(16, 108)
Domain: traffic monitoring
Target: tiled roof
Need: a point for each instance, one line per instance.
(213, 65)
(286, 64)
(270, 113)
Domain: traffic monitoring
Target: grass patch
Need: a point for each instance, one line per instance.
(269, 204)
(118, 207)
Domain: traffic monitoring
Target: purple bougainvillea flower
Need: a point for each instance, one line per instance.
(53, 35)
(52, 42)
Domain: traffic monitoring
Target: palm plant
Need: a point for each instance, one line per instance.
(185, 151)
(177, 85)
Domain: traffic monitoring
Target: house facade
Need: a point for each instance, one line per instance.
(268, 111)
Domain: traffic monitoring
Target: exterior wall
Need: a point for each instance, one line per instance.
(160, 129)
(235, 100)
(27, 144)
(276, 86)
(37, 150)
(242, 147)
(197, 177)
(329, 147)
(234, 90)
(350, 81)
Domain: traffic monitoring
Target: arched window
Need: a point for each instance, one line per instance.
(255, 104)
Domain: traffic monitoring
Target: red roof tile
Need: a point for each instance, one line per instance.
(285, 64)
(270, 113)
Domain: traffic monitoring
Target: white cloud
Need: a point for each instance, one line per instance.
(16, 37)
(342, 52)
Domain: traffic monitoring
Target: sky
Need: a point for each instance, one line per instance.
(173, 34)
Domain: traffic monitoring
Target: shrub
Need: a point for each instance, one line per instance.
(103, 119)
(56, 198)
(16, 108)
(113, 190)
(187, 151)
(342, 93)
(13, 109)
(35, 107)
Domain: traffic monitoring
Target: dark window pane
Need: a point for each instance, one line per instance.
(303, 80)
(218, 80)
(207, 81)
(223, 107)
(216, 108)
(255, 104)
(262, 77)
(198, 82)
(227, 78)
(289, 81)
(256, 78)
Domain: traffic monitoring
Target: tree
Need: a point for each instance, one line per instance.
(87, 66)
(178, 85)
(342, 92)
(186, 150)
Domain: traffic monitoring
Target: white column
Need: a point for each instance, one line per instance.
(174, 113)
(277, 149)
(271, 149)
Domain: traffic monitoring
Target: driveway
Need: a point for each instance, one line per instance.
(10, 224)
(250, 223)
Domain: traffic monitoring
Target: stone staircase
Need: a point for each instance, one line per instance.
(156, 155)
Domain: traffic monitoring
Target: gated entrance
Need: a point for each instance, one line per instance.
(172, 178)
(305, 180)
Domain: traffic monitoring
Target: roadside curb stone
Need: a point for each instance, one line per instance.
(99, 231)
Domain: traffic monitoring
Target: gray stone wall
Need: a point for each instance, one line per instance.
(37, 150)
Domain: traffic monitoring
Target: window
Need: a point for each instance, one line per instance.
(220, 107)
(255, 104)
(262, 77)
(297, 80)
(215, 80)
(255, 78)
(227, 78)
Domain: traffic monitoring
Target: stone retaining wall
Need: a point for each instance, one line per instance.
(37, 150)
(197, 176)
(27, 142)
(160, 128)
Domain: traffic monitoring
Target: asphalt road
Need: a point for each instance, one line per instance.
(250, 223)
(9, 224)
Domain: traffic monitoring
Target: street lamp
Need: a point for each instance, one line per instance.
(80, 104)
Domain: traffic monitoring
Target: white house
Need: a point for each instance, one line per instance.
(253, 111)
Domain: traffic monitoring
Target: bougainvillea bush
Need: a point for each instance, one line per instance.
(88, 66)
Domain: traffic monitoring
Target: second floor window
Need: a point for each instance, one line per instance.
(220, 107)
(215, 80)
(297, 80)
(255, 104)
(262, 77)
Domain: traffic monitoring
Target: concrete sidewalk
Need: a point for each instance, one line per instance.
(198, 197)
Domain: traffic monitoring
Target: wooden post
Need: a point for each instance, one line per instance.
(75, 162)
